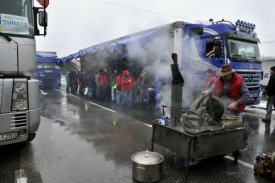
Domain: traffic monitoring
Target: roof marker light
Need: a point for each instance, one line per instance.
(241, 24)
(238, 22)
(246, 25)
(253, 26)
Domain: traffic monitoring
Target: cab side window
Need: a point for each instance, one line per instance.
(210, 49)
(214, 48)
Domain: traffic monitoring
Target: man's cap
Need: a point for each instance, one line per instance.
(209, 71)
(225, 70)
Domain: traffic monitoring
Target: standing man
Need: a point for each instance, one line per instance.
(68, 81)
(141, 87)
(118, 88)
(90, 83)
(231, 89)
(126, 84)
(97, 83)
(209, 80)
(103, 84)
(270, 95)
(112, 84)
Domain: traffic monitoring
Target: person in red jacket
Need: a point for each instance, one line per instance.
(80, 82)
(231, 89)
(209, 80)
(130, 89)
(103, 84)
(125, 85)
(118, 88)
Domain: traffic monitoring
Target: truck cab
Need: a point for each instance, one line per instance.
(47, 72)
(19, 92)
(222, 42)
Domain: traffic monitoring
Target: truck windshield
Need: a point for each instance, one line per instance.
(16, 18)
(46, 65)
(243, 50)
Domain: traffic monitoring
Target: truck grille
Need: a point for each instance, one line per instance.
(49, 81)
(252, 78)
(19, 120)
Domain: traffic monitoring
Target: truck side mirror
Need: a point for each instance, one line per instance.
(43, 18)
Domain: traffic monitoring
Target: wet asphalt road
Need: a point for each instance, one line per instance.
(82, 140)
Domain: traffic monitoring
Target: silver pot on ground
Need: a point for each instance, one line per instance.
(147, 166)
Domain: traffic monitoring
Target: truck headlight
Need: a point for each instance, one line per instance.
(19, 97)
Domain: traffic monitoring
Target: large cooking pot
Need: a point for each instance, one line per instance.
(147, 166)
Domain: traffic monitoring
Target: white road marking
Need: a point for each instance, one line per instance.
(95, 104)
(22, 180)
(20, 176)
(240, 162)
(43, 93)
(102, 107)
(148, 125)
(75, 96)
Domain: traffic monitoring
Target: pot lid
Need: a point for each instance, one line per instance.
(147, 158)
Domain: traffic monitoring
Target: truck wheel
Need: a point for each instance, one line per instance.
(30, 138)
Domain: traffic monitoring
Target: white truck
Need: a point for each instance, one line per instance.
(19, 92)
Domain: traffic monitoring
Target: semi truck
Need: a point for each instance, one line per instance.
(20, 22)
(47, 72)
(212, 45)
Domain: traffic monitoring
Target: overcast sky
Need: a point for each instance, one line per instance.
(75, 25)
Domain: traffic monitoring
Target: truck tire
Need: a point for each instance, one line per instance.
(30, 138)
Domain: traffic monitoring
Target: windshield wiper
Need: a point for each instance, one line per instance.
(257, 60)
(236, 55)
(240, 58)
(5, 36)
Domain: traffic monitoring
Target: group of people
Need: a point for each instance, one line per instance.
(126, 89)
(123, 87)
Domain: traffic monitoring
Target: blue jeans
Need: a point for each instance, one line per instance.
(68, 87)
(113, 93)
(97, 94)
(123, 95)
(269, 106)
(90, 92)
(118, 97)
(130, 98)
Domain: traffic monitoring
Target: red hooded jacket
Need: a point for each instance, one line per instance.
(103, 78)
(125, 81)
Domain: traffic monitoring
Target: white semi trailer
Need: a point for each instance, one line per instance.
(19, 92)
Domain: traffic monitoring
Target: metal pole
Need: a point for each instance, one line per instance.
(152, 140)
(187, 160)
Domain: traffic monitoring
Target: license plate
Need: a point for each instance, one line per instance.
(8, 136)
